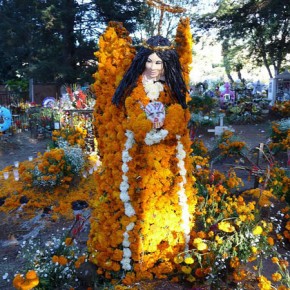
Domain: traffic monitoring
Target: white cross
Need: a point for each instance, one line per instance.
(218, 130)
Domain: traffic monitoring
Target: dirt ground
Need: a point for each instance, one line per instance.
(12, 230)
(19, 146)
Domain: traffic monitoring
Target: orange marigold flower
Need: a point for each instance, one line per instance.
(252, 258)
(33, 283)
(31, 274)
(239, 275)
(68, 241)
(271, 241)
(202, 234)
(284, 264)
(282, 287)
(80, 261)
(199, 273)
(129, 279)
(62, 260)
(235, 262)
(18, 281)
(54, 259)
(276, 277)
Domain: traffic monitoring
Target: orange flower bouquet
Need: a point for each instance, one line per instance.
(57, 166)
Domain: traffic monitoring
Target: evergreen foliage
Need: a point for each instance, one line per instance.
(259, 27)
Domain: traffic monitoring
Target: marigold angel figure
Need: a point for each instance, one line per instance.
(146, 200)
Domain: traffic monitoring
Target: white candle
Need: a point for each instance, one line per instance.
(6, 174)
(16, 174)
(16, 164)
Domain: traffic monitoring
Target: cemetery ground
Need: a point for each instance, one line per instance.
(14, 229)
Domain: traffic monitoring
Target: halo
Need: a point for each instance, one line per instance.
(163, 7)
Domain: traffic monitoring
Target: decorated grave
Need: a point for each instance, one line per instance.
(65, 185)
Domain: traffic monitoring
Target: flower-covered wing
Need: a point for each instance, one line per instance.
(114, 56)
(184, 43)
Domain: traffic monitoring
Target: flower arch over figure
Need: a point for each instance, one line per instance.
(146, 201)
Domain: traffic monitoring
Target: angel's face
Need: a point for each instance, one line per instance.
(154, 67)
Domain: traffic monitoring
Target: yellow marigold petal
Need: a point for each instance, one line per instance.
(258, 230)
(178, 259)
(189, 260)
(186, 269)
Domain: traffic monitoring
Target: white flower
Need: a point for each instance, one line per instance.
(129, 134)
(182, 171)
(126, 264)
(126, 157)
(154, 136)
(127, 253)
(130, 226)
(5, 276)
(125, 168)
(124, 178)
(181, 154)
(126, 243)
(124, 186)
(130, 140)
(124, 197)
(129, 210)
(152, 89)
(181, 193)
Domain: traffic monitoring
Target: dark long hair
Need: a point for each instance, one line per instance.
(172, 72)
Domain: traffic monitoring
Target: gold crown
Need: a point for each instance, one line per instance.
(157, 48)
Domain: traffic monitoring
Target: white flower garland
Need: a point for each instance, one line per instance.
(124, 186)
(155, 136)
(181, 193)
(124, 196)
(152, 89)
(126, 261)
